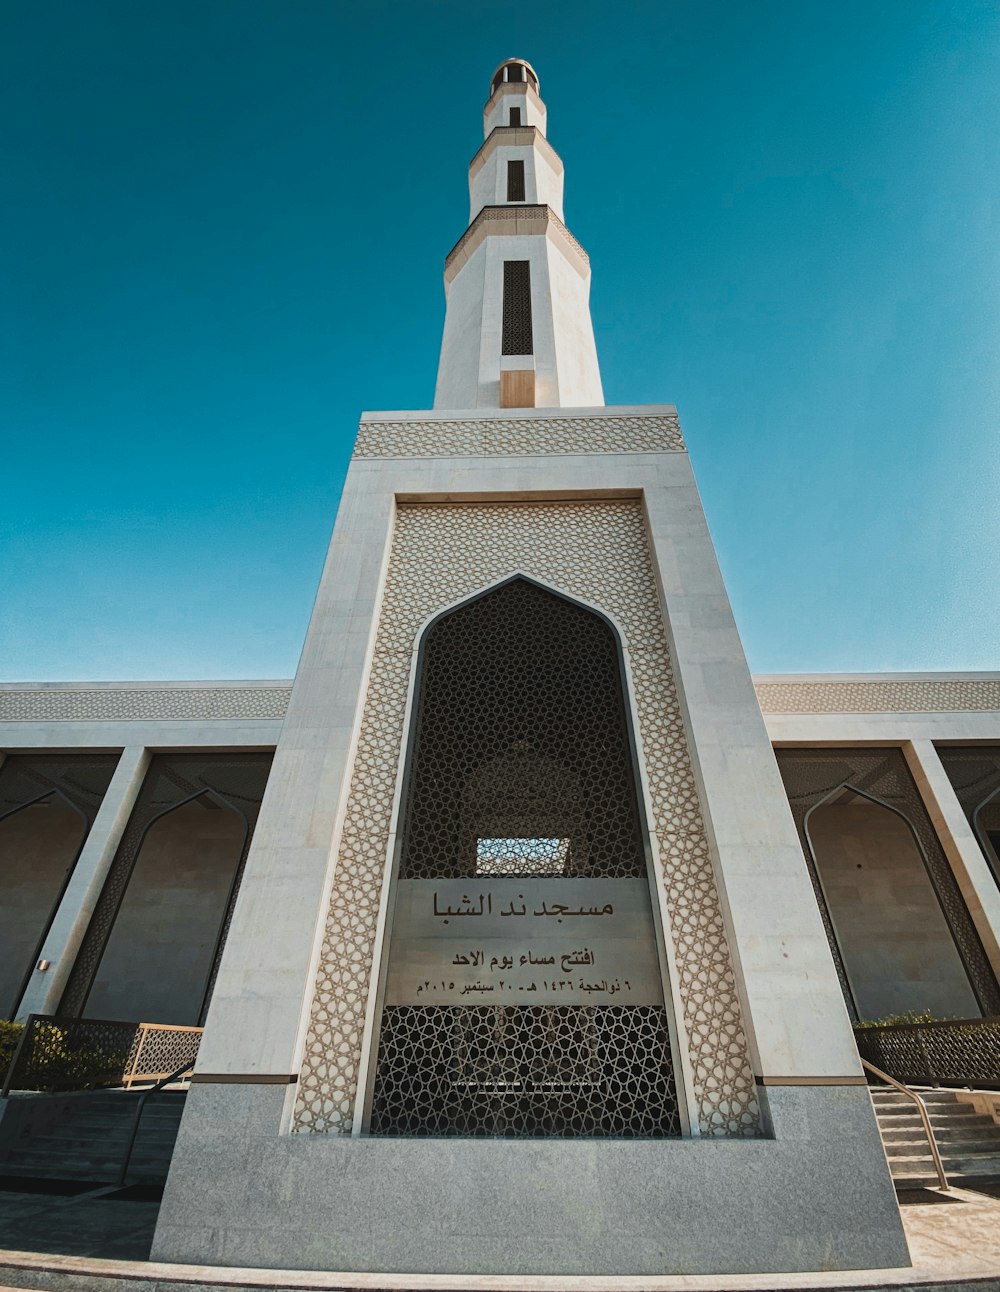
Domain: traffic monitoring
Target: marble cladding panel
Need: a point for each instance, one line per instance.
(598, 552)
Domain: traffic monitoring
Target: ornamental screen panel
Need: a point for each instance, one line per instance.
(517, 338)
(524, 991)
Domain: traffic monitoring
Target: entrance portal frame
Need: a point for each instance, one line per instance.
(678, 1039)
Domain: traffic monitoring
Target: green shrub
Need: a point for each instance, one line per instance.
(56, 1064)
(899, 1020)
(10, 1034)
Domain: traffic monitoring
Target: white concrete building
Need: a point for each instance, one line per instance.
(522, 710)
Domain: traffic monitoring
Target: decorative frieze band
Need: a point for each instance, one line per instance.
(515, 221)
(519, 437)
(152, 704)
(893, 695)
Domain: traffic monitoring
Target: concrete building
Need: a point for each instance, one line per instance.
(526, 928)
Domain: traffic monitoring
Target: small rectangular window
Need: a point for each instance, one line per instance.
(515, 73)
(515, 116)
(517, 337)
(515, 181)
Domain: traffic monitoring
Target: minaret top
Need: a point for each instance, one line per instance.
(514, 98)
(514, 69)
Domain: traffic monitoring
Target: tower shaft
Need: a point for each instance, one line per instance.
(517, 331)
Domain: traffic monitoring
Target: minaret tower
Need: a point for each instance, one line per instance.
(526, 974)
(517, 329)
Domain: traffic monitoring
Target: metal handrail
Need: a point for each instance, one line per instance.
(922, 1110)
(137, 1116)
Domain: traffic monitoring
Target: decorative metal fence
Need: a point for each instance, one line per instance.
(960, 1052)
(60, 1054)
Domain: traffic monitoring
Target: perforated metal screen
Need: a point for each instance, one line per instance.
(521, 766)
(517, 335)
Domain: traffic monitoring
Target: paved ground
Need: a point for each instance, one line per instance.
(99, 1240)
(99, 1221)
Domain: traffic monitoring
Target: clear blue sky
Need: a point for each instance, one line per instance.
(222, 229)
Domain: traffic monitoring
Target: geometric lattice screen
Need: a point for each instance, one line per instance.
(521, 774)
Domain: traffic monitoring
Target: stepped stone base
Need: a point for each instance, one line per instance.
(239, 1194)
(968, 1138)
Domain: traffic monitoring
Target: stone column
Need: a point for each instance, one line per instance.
(77, 906)
(975, 879)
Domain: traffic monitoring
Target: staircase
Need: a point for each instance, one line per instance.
(85, 1136)
(969, 1142)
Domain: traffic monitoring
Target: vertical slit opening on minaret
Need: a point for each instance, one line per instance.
(515, 181)
(515, 116)
(517, 336)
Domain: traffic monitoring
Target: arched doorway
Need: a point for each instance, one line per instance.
(899, 930)
(898, 951)
(524, 988)
(153, 946)
(159, 956)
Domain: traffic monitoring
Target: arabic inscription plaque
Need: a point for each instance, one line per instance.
(554, 941)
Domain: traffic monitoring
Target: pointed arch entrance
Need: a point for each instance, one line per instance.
(523, 993)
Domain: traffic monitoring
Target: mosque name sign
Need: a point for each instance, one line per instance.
(523, 942)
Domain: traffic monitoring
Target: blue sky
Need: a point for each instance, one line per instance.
(222, 231)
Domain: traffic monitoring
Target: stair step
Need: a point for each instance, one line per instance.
(86, 1139)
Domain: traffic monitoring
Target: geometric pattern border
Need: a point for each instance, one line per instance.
(114, 704)
(596, 551)
(895, 695)
(521, 437)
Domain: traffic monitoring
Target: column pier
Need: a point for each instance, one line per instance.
(979, 888)
(63, 940)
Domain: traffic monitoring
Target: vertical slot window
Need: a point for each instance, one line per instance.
(517, 337)
(515, 116)
(515, 181)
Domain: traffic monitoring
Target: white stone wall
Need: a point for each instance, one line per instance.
(565, 356)
(579, 376)
(543, 178)
(514, 95)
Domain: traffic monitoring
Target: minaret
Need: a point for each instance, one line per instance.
(517, 329)
(523, 734)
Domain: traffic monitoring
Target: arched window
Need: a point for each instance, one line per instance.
(521, 810)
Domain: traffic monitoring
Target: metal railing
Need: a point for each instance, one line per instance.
(959, 1052)
(140, 1108)
(57, 1054)
(924, 1117)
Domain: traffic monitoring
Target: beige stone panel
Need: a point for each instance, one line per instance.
(784, 969)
